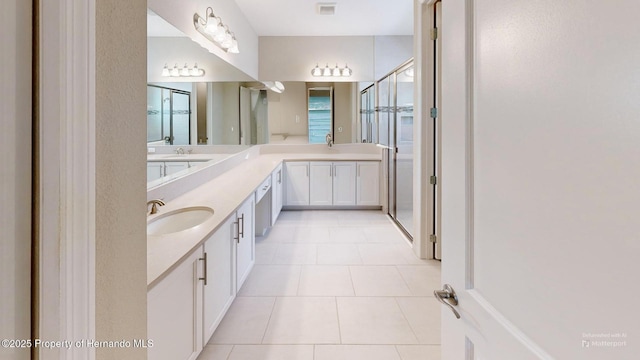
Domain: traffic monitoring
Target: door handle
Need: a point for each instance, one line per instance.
(205, 269)
(448, 297)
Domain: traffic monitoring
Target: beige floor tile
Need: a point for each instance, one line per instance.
(381, 254)
(339, 254)
(303, 320)
(356, 352)
(325, 280)
(295, 254)
(265, 252)
(215, 352)
(272, 280)
(423, 314)
(272, 352)
(301, 234)
(245, 322)
(422, 280)
(378, 281)
(384, 234)
(346, 235)
(419, 352)
(370, 320)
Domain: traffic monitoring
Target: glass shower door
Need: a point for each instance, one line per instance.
(181, 113)
(404, 148)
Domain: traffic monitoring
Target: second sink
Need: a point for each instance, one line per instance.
(179, 220)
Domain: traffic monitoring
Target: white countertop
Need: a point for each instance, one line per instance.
(224, 194)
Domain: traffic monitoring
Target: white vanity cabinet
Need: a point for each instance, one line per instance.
(172, 167)
(368, 183)
(155, 170)
(219, 291)
(245, 240)
(344, 183)
(297, 183)
(332, 183)
(174, 312)
(277, 193)
(320, 183)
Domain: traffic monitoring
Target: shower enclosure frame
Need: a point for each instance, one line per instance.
(170, 138)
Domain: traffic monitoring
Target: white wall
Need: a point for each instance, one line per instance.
(121, 239)
(390, 52)
(291, 58)
(288, 111)
(15, 175)
(180, 15)
(223, 107)
(344, 108)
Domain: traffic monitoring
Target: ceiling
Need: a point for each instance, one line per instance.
(352, 17)
(300, 18)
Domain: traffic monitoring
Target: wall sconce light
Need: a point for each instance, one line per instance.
(182, 72)
(216, 31)
(275, 86)
(331, 72)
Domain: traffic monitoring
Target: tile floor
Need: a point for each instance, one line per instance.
(333, 285)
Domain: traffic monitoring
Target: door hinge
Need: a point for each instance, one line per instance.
(434, 112)
(433, 180)
(433, 238)
(434, 33)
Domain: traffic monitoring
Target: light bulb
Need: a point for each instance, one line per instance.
(195, 71)
(185, 70)
(175, 71)
(220, 34)
(212, 25)
(316, 71)
(165, 71)
(234, 46)
(346, 71)
(326, 71)
(336, 71)
(227, 41)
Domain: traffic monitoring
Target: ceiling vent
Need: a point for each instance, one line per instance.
(326, 8)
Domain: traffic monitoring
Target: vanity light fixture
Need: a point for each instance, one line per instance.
(185, 71)
(212, 27)
(275, 86)
(329, 72)
(316, 71)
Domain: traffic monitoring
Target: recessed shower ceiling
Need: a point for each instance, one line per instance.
(352, 17)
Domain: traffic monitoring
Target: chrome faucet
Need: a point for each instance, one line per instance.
(329, 139)
(180, 151)
(154, 205)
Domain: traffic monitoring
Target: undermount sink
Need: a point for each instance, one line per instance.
(179, 220)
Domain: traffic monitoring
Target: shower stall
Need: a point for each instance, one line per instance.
(168, 115)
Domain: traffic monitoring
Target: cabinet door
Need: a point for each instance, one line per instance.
(155, 170)
(321, 183)
(368, 180)
(297, 183)
(172, 167)
(174, 312)
(276, 194)
(219, 291)
(344, 183)
(245, 241)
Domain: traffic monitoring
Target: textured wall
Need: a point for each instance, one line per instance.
(15, 174)
(121, 248)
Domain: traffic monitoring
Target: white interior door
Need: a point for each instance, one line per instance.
(540, 173)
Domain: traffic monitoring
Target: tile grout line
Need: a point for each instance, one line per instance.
(229, 355)
(335, 299)
(275, 299)
(407, 320)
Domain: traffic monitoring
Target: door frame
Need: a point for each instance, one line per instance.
(65, 235)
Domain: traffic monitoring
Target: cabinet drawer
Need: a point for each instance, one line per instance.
(263, 188)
